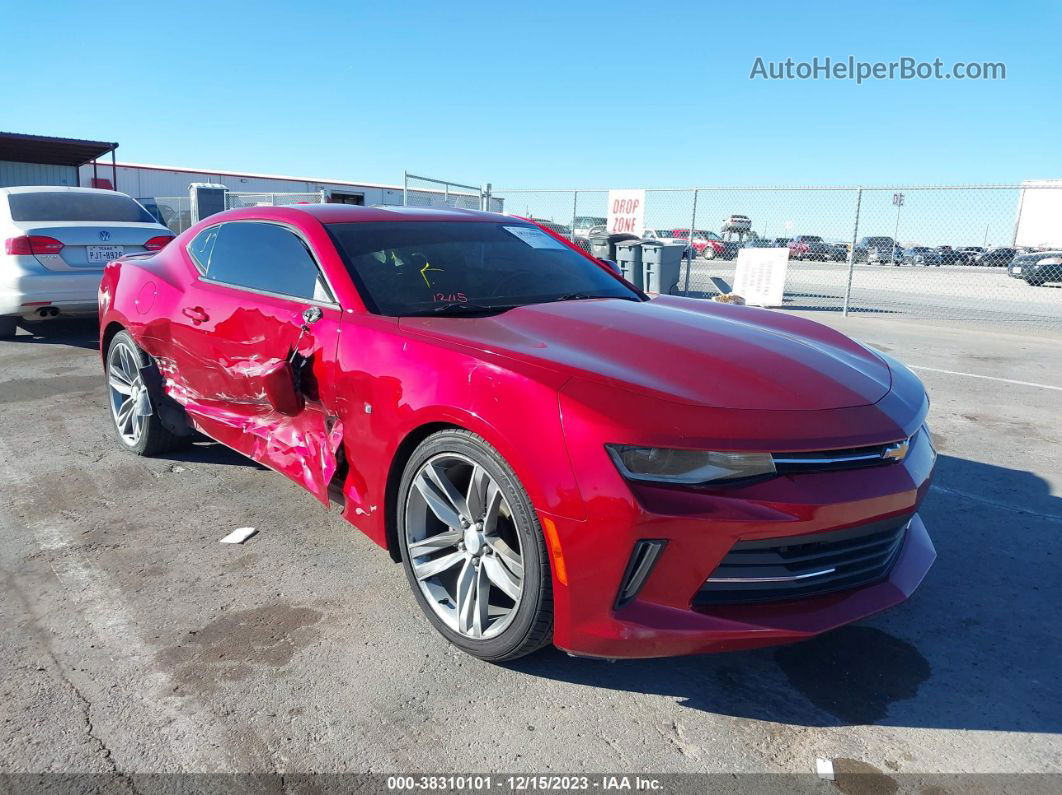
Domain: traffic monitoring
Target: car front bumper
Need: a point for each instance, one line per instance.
(700, 529)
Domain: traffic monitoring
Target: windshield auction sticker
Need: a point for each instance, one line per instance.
(535, 238)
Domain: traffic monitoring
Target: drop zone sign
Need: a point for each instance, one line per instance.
(626, 212)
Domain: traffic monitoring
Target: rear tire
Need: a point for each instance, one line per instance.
(127, 396)
(485, 550)
(8, 327)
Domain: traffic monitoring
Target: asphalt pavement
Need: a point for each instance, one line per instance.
(132, 641)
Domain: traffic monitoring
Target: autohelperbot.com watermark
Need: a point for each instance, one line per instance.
(905, 68)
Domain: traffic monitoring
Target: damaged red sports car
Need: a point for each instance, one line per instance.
(553, 455)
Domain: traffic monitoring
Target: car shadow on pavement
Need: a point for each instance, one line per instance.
(976, 647)
(206, 451)
(77, 333)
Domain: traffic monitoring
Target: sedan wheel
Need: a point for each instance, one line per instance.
(472, 548)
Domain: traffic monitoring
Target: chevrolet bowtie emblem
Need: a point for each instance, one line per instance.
(896, 452)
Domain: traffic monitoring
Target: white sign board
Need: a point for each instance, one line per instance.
(760, 275)
(626, 212)
(1040, 215)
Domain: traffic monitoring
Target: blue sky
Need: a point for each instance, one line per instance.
(541, 94)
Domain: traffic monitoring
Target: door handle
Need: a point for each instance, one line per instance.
(195, 313)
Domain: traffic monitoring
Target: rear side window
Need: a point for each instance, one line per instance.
(202, 246)
(265, 257)
(71, 206)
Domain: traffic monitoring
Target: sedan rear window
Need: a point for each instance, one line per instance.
(424, 267)
(70, 206)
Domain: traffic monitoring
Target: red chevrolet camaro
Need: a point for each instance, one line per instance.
(553, 455)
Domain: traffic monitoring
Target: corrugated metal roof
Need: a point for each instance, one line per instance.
(23, 148)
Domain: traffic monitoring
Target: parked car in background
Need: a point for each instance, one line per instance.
(809, 247)
(1037, 268)
(837, 252)
(968, 254)
(782, 242)
(948, 256)
(862, 249)
(551, 454)
(706, 244)
(582, 225)
(56, 244)
(889, 254)
(553, 226)
(667, 236)
(920, 255)
(996, 257)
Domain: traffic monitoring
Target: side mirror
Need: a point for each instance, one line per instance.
(278, 383)
(611, 264)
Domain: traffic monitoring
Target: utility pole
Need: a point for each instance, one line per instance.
(897, 199)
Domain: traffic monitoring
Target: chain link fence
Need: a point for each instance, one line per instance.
(935, 252)
(237, 199)
(175, 212)
(429, 192)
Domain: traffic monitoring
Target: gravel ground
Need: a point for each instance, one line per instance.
(132, 641)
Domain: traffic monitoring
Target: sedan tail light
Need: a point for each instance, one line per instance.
(32, 244)
(158, 243)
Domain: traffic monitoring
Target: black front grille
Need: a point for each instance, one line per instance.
(828, 460)
(796, 567)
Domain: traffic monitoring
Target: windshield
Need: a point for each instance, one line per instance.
(428, 267)
(72, 206)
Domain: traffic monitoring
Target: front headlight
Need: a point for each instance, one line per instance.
(663, 465)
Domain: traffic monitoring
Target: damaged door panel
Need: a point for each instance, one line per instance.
(254, 342)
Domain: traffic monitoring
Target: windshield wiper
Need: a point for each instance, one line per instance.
(456, 308)
(585, 296)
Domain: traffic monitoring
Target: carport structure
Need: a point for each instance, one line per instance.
(41, 159)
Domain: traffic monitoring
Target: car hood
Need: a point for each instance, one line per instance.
(686, 350)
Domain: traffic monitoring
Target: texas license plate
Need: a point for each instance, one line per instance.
(104, 253)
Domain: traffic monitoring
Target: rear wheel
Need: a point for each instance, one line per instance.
(708, 252)
(8, 327)
(136, 423)
(473, 549)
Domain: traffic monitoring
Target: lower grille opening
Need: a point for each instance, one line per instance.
(639, 567)
(797, 567)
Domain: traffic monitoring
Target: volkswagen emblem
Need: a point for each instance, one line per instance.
(105, 235)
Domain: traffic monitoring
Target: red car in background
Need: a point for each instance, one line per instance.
(704, 243)
(552, 455)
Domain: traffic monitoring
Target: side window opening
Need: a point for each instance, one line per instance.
(268, 257)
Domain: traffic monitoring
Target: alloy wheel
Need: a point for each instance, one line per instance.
(463, 546)
(130, 402)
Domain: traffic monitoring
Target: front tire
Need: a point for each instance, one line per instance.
(472, 548)
(135, 421)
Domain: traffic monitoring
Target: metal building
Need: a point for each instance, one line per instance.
(142, 180)
(45, 160)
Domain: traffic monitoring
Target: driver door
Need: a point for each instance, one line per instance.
(255, 339)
